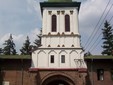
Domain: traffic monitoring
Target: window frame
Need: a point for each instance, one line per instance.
(63, 59)
(67, 23)
(54, 23)
(52, 59)
(111, 74)
(100, 74)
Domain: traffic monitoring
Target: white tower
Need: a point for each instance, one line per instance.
(60, 37)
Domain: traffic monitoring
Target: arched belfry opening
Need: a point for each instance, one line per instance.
(58, 80)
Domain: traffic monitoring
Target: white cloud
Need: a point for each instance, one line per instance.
(22, 18)
(33, 34)
(33, 5)
(20, 38)
(89, 15)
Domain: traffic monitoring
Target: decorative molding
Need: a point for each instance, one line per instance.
(49, 12)
(52, 51)
(62, 52)
(49, 46)
(63, 33)
(49, 33)
(72, 46)
(72, 33)
(82, 70)
(71, 12)
(58, 46)
(62, 12)
(58, 12)
(63, 45)
(58, 33)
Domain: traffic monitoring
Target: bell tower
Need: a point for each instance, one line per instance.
(60, 24)
(60, 50)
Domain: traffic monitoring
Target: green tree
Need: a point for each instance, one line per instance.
(9, 48)
(1, 51)
(107, 39)
(37, 41)
(87, 54)
(26, 49)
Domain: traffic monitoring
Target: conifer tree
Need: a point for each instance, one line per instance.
(26, 49)
(107, 39)
(9, 48)
(37, 41)
(1, 51)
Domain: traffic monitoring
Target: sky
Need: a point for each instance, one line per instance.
(22, 18)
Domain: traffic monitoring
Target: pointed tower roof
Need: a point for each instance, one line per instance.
(59, 0)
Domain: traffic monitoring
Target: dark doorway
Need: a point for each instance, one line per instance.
(57, 82)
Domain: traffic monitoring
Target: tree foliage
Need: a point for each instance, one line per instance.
(26, 49)
(107, 39)
(87, 54)
(9, 48)
(37, 41)
(1, 51)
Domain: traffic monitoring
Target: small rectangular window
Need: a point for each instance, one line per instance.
(100, 74)
(62, 58)
(112, 74)
(52, 59)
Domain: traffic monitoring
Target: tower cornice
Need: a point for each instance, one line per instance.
(60, 4)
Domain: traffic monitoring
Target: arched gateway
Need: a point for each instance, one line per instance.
(58, 80)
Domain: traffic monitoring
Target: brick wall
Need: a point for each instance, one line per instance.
(93, 65)
(16, 72)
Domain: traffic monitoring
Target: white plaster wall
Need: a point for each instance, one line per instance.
(54, 41)
(55, 64)
(68, 41)
(66, 64)
(60, 20)
(44, 21)
(41, 58)
(34, 59)
(75, 21)
(73, 56)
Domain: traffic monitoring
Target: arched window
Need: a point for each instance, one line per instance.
(54, 23)
(67, 23)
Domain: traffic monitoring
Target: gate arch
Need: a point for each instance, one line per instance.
(58, 80)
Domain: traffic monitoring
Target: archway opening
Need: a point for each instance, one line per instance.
(58, 82)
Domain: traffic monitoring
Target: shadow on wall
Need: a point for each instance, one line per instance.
(88, 81)
(37, 79)
(1, 76)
